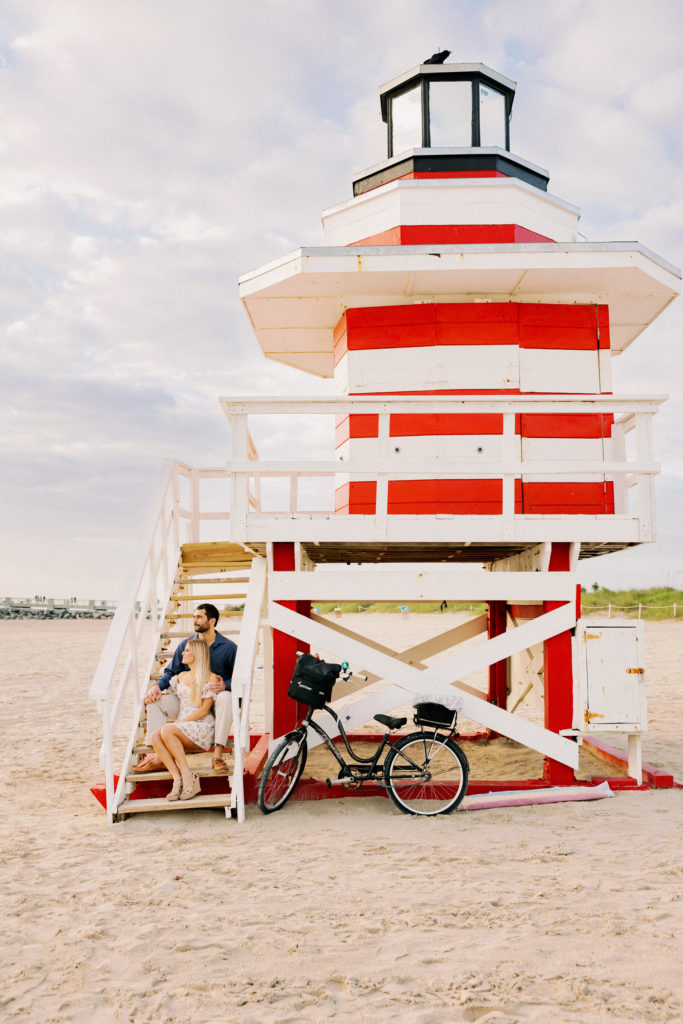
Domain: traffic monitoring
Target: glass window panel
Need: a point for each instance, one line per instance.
(406, 120)
(450, 113)
(491, 117)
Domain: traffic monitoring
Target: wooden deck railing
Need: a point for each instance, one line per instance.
(626, 470)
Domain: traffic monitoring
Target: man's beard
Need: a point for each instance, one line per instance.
(202, 629)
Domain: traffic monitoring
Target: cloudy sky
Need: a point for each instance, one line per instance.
(151, 151)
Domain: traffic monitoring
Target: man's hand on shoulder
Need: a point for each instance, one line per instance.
(216, 684)
(153, 695)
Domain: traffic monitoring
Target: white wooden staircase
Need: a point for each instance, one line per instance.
(223, 574)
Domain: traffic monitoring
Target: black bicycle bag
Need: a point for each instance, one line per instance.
(435, 715)
(312, 681)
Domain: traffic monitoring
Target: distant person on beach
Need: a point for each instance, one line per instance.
(162, 702)
(195, 724)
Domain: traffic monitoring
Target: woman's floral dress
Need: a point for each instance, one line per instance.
(202, 731)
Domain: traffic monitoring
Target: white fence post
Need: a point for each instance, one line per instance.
(239, 482)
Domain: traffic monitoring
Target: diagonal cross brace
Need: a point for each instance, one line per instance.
(410, 682)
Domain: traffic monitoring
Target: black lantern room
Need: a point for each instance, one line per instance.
(449, 118)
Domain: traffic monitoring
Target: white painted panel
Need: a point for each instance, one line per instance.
(412, 529)
(433, 367)
(574, 477)
(605, 367)
(559, 371)
(611, 676)
(450, 201)
(570, 449)
(434, 585)
(433, 445)
(341, 376)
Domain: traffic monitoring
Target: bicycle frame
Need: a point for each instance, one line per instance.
(362, 768)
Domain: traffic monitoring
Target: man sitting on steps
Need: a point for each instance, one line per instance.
(164, 705)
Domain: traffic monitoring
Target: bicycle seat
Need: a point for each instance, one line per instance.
(391, 723)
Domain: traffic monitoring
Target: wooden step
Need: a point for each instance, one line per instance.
(173, 616)
(215, 553)
(205, 597)
(213, 580)
(164, 776)
(184, 636)
(161, 804)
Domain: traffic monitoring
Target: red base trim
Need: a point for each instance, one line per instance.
(655, 778)
(253, 765)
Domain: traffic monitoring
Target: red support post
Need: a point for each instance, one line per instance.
(558, 679)
(285, 711)
(498, 673)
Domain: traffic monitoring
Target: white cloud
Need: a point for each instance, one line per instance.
(150, 153)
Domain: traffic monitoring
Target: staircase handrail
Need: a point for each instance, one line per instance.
(116, 638)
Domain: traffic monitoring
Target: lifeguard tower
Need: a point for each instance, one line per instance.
(479, 453)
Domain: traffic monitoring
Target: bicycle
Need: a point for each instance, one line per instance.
(424, 773)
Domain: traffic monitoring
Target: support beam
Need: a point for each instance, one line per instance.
(285, 645)
(437, 680)
(428, 585)
(558, 674)
(413, 655)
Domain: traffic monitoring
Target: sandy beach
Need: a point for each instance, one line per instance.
(341, 910)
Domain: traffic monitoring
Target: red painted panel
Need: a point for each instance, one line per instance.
(424, 497)
(443, 391)
(392, 236)
(559, 337)
(477, 497)
(421, 425)
(418, 425)
(455, 174)
(487, 333)
(564, 424)
(564, 498)
(552, 314)
(452, 234)
(527, 235)
(356, 425)
(603, 324)
(382, 316)
(399, 335)
(340, 328)
(476, 312)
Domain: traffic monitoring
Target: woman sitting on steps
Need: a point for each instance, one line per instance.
(194, 725)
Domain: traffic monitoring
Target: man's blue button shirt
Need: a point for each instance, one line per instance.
(221, 656)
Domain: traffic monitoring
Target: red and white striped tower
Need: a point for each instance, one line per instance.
(452, 271)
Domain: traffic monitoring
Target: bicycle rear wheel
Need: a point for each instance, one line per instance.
(282, 772)
(426, 773)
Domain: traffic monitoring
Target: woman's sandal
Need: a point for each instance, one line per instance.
(192, 790)
(149, 763)
(175, 792)
(219, 764)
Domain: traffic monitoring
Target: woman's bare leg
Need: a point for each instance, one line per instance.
(163, 753)
(175, 741)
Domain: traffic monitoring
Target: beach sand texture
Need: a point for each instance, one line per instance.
(340, 910)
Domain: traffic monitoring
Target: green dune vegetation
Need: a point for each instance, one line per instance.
(653, 603)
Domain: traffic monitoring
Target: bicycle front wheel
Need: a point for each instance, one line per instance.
(282, 772)
(426, 773)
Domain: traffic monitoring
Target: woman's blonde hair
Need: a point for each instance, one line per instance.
(201, 668)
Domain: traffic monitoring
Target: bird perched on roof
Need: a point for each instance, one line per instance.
(438, 58)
